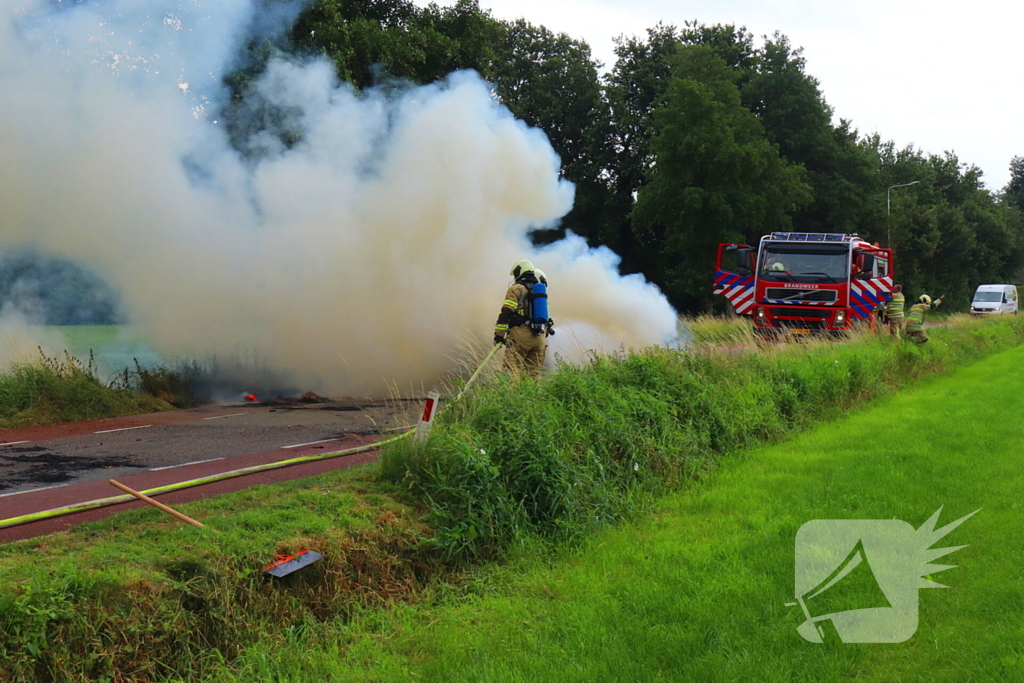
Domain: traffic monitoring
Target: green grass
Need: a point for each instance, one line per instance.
(81, 378)
(55, 389)
(518, 465)
(697, 590)
(140, 596)
(566, 456)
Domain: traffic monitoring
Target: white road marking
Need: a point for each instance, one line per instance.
(11, 443)
(45, 488)
(122, 429)
(310, 443)
(217, 417)
(171, 467)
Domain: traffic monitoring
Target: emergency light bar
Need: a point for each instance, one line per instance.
(812, 237)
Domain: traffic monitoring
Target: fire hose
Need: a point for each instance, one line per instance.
(113, 500)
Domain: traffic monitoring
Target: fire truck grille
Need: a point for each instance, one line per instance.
(803, 324)
(801, 312)
(778, 293)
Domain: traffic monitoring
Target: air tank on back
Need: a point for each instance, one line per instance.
(539, 301)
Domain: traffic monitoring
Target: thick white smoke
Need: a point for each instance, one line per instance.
(363, 254)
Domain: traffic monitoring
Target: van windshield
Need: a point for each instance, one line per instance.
(988, 297)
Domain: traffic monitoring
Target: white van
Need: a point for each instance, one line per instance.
(991, 299)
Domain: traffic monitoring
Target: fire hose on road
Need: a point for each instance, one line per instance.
(114, 500)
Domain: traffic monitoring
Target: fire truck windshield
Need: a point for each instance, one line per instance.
(808, 263)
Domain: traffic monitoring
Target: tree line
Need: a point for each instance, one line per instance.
(698, 134)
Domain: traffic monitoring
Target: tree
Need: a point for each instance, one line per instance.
(715, 178)
(636, 87)
(796, 117)
(1013, 193)
(949, 232)
(371, 41)
(1013, 203)
(697, 136)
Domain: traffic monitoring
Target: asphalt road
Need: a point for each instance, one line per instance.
(46, 467)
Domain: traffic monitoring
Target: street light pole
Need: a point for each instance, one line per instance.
(888, 208)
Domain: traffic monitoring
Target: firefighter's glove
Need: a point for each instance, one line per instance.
(498, 339)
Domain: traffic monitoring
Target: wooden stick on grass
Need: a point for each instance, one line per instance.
(159, 506)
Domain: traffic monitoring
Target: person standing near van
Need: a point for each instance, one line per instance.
(894, 312)
(915, 319)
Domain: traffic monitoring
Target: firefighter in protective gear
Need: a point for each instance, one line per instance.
(525, 350)
(894, 312)
(915, 318)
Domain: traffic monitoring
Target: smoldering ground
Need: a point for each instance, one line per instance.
(357, 238)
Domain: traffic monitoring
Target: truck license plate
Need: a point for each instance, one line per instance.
(799, 330)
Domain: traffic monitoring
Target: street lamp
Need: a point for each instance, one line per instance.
(888, 208)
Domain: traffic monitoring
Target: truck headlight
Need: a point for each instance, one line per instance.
(760, 316)
(840, 317)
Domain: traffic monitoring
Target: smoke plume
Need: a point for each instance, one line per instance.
(356, 238)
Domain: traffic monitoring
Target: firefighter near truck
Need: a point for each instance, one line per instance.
(804, 284)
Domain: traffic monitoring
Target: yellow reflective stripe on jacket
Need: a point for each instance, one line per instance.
(915, 320)
(515, 298)
(513, 305)
(894, 307)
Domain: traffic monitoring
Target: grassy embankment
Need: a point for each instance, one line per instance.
(516, 465)
(697, 591)
(49, 389)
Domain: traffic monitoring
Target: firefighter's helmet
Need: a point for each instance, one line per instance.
(777, 266)
(521, 267)
(925, 299)
(541, 277)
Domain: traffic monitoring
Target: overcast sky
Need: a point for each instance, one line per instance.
(936, 74)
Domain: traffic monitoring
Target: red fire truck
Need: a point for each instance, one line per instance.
(804, 283)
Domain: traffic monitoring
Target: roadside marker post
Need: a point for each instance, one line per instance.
(429, 410)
